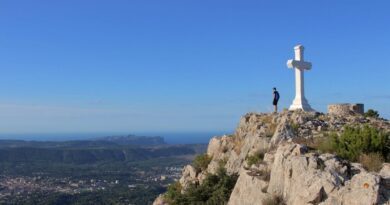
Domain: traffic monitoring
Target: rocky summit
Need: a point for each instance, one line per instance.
(279, 160)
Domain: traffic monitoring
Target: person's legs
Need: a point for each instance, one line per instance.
(275, 105)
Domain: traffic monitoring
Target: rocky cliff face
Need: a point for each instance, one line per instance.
(290, 172)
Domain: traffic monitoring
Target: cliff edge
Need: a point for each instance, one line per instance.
(289, 158)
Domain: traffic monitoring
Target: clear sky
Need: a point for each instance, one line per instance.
(183, 65)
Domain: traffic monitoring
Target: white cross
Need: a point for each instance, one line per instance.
(299, 65)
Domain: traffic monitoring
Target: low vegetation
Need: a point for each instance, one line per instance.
(294, 128)
(366, 145)
(215, 189)
(173, 191)
(256, 158)
(201, 162)
(371, 161)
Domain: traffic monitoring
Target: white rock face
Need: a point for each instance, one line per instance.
(385, 171)
(363, 188)
(306, 178)
(189, 176)
(299, 178)
(248, 190)
(220, 149)
(283, 132)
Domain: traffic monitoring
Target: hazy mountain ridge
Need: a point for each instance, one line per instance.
(133, 139)
(93, 142)
(113, 148)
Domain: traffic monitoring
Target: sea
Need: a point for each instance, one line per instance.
(169, 137)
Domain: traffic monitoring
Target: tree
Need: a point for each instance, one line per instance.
(371, 113)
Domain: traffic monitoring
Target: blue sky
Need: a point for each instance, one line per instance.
(182, 66)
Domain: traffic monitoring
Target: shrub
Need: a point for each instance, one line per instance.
(371, 161)
(215, 189)
(294, 128)
(354, 141)
(367, 145)
(256, 158)
(371, 113)
(201, 162)
(173, 191)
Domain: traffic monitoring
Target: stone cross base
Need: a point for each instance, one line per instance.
(346, 109)
(301, 104)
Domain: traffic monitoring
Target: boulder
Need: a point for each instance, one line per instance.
(189, 176)
(248, 190)
(283, 132)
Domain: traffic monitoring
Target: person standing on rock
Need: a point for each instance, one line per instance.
(276, 99)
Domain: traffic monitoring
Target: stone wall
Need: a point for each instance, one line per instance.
(346, 109)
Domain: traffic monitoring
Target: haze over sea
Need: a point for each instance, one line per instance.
(169, 137)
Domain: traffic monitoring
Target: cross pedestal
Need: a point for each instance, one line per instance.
(299, 65)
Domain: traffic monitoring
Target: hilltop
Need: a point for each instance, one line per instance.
(292, 157)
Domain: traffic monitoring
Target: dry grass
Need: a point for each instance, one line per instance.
(323, 144)
(238, 143)
(371, 161)
(267, 119)
(256, 158)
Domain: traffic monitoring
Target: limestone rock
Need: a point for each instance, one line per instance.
(308, 178)
(362, 189)
(283, 132)
(248, 190)
(385, 171)
(189, 176)
(160, 201)
(297, 175)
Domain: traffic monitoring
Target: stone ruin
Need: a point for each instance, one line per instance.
(346, 109)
